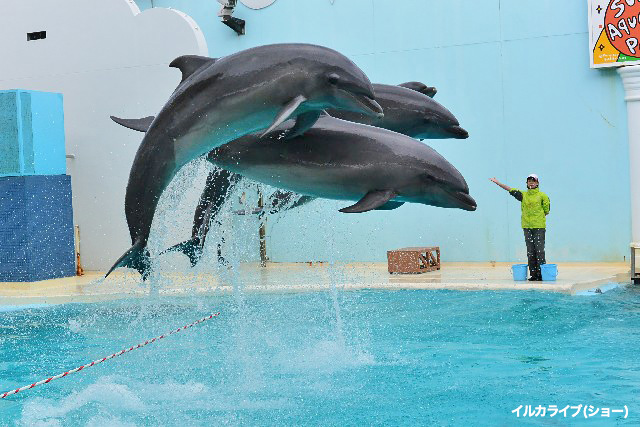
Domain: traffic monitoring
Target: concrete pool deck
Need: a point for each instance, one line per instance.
(301, 277)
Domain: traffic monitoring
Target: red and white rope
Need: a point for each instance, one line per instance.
(95, 362)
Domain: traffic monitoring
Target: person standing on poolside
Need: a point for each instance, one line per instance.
(535, 208)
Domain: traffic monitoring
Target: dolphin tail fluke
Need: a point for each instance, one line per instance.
(136, 257)
(191, 248)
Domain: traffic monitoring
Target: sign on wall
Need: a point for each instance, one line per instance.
(614, 32)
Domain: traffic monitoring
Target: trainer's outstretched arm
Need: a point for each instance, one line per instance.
(499, 184)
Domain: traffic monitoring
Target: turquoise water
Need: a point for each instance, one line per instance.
(375, 357)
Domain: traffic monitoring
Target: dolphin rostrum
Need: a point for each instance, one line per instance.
(220, 100)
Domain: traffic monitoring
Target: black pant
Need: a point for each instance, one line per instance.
(534, 237)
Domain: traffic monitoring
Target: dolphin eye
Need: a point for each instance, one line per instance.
(333, 78)
(429, 117)
(428, 178)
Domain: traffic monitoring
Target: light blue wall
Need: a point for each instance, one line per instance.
(516, 73)
(31, 133)
(48, 133)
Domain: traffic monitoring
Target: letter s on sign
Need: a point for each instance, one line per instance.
(615, 4)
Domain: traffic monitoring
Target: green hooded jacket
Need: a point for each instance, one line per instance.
(535, 207)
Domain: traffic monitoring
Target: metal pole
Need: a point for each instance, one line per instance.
(635, 277)
(79, 269)
(262, 232)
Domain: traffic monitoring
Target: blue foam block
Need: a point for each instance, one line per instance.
(36, 228)
(31, 133)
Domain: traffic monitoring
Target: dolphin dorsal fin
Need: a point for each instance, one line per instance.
(141, 125)
(372, 200)
(420, 87)
(189, 64)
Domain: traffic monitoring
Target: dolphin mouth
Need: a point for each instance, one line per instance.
(370, 106)
(464, 201)
(459, 132)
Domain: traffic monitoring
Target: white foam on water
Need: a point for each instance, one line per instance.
(325, 357)
(599, 290)
(105, 393)
(175, 391)
(75, 325)
(120, 401)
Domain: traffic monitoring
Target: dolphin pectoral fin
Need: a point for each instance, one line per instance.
(303, 123)
(284, 114)
(141, 125)
(389, 206)
(192, 248)
(189, 64)
(136, 257)
(420, 87)
(372, 200)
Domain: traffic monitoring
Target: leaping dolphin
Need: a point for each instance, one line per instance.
(337, 159)
(408, 109)
(411, 111)
(221, 100)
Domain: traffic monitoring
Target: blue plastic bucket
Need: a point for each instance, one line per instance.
(549, 272)
(519, 272)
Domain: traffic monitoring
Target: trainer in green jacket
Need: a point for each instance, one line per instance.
(535, 207)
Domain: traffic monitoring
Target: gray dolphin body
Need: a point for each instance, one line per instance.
(409, 111)
(221, 100)
(342, 160)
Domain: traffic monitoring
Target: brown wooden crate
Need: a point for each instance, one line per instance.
(414, 259)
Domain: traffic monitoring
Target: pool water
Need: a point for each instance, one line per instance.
(326, 358)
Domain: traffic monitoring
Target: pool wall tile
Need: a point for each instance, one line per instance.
(36, 228)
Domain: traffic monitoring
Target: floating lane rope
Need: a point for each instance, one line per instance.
(95, 362)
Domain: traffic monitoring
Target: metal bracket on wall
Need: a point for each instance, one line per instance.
(236, 24)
